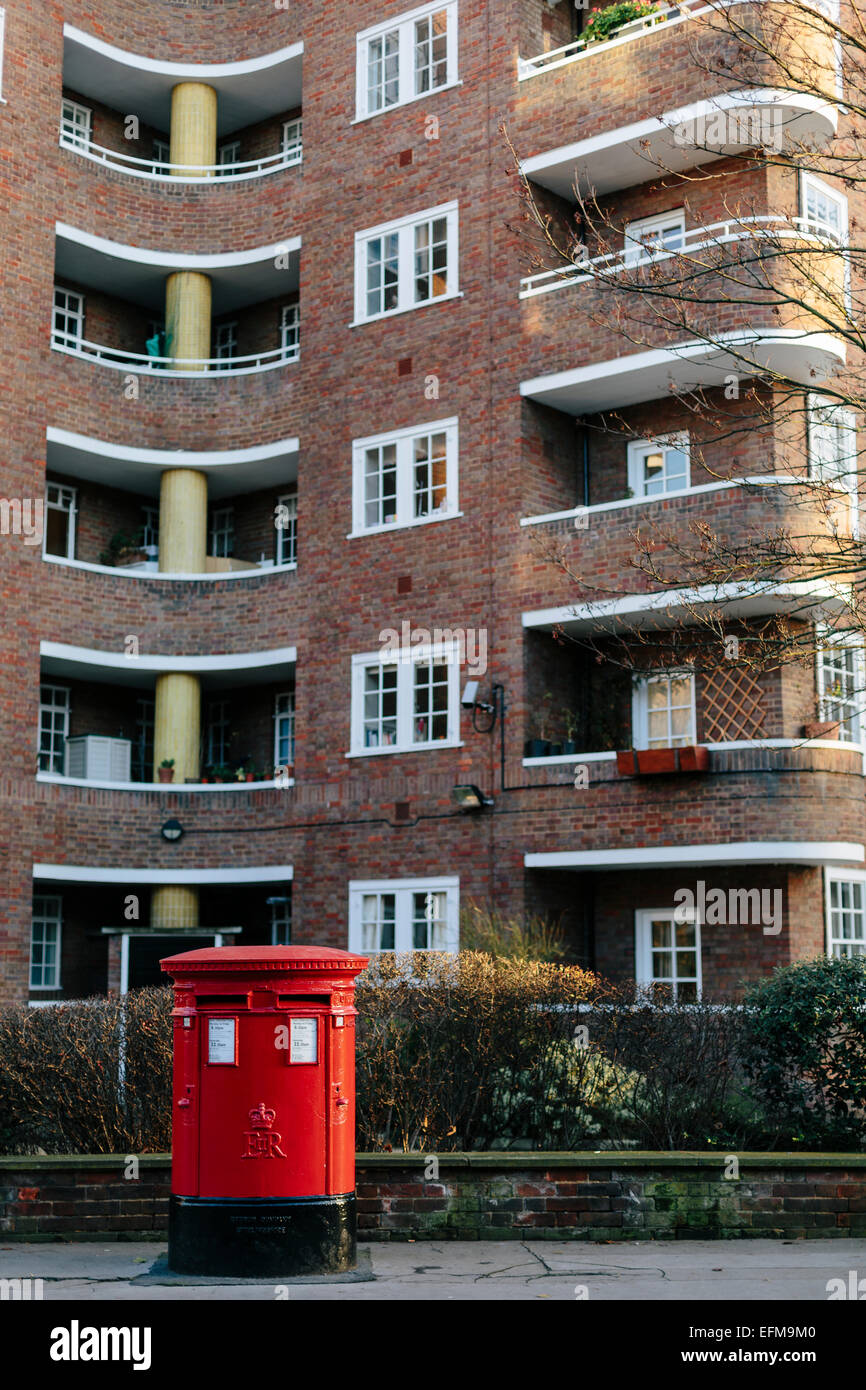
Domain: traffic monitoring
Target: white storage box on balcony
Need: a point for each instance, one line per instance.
(98, 759)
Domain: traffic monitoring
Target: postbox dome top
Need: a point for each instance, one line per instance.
(264, 958)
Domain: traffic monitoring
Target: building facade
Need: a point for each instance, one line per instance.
(289, 420)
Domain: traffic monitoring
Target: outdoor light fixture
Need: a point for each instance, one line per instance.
(469, 798)
(470, 695)
(172, 830)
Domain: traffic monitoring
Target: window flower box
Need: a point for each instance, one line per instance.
(648, 762)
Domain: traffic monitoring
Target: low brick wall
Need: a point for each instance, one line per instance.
(494, 1196)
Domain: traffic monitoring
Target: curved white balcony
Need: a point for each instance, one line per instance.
(133, 676)
(787, 354)
(116, 668)
(185, 367)
(720, 126)
(768, 228)
(136, 276)
(799, 853)
(807, 599)
(134, 469)
(163, 172)
(248, 90)
(230, 473)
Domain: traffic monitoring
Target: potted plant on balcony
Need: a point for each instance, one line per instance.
(221, 773)
(165, 771)
(604, 22)
(124, 548)
(539, 746)
(572, 723)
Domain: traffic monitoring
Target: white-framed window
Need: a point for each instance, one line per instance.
(47, 921)
(833, 454)
(841, 670)
(824, 214)
(654, 235)
(832, 442)
(406, 58)
(284, 729)
(405, 477)
(663, 710)
(406, 699)
(656, 466)
(149, 527)
(161, 154)
(281, 920)
(68, 322)
(228, 153)
(60, 513)
(824, 209)
(218, 733)
(225, 340)
(287, 529)
(668, 953)
(292, 140)
(404, 264)
(290, 331)
(845, 898)
(409, 914)
(53, 727)
(222, 531)
(76, 125)
(142, 753)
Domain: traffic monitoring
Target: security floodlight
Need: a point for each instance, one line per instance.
(469, 798)
(470, 694)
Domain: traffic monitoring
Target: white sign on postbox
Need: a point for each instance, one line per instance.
(303, 1040)
(221, 1041)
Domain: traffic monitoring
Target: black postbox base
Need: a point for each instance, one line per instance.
(261, 1237)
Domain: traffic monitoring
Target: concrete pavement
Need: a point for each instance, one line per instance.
(693, 1271)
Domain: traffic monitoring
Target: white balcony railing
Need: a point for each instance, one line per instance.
(636, 29)
(142, 362)
(182, 173)
(696, 239)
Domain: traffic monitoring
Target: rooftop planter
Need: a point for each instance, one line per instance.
(648, 762)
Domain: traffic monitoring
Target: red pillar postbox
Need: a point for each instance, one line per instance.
(263, 1133)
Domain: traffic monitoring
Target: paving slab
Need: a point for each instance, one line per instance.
(427, 1271)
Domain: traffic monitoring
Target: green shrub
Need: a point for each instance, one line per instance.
(603, 22)
(804, 1050)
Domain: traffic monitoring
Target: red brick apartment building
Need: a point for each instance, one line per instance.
(277, 367)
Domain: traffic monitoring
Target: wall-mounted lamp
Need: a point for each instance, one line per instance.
(469, 798)
(171, 830)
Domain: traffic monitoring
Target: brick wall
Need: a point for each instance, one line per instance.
(528, 1196)
(476, 571)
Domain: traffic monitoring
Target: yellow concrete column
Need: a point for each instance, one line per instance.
(177, 724)
(182, 521)
(187, 319)
(174, 907)
(193, 129)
